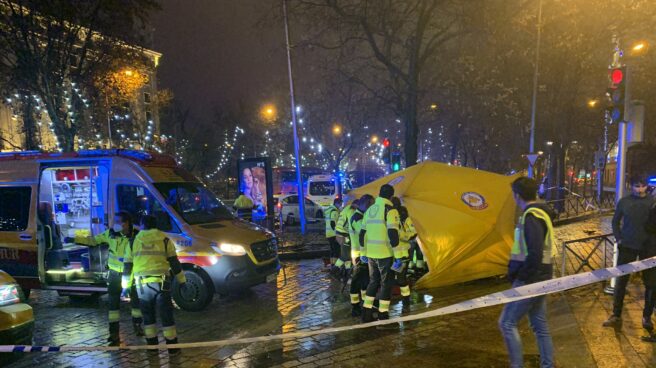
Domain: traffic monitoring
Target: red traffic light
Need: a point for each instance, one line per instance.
(617, 76)
(386, 142)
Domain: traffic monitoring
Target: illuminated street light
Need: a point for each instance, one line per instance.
(337, 129)
(592, 103)
(433, 107)
(128, 72)
(374, 139)
(639, 47)
(268, 112)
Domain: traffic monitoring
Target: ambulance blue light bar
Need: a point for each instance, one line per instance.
(19, 153)
(137, 155)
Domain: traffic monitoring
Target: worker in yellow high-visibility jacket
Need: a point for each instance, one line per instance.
(331, 214)
(360, 277)
(407, 233)
(149, 265)
(380, 235)
(119, 238)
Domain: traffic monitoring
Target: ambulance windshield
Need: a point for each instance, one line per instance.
(194, 202)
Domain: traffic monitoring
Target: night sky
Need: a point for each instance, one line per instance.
(214, 55)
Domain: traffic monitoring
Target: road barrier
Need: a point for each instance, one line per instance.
(506, 296)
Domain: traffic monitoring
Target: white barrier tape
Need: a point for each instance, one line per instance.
(502, 297)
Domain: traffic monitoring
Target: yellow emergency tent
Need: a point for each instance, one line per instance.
(464, 218)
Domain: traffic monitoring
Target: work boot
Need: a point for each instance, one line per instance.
(138, 329)
(356, 310)
(367, 315)
(152, 341)
(406, 304)
(647, 324)
(383, 316)
(173, 351)
(114, 338)
(613, 321)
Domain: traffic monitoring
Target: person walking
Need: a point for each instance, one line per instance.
(331, 214)
(119, 239)
(379, 234)
(530, 261)
(407, 234)
(360, 277)
(633, 242)
(149, 265)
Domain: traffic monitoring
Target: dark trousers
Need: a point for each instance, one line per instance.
(345, 252)
(360, 278)
(114, 290)
(401, 277)
(335, 248)
(380, 277)
(414, 249)
(627, 255)
(155, 298)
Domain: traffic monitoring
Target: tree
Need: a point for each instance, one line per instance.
(54, 49)
(398, 38)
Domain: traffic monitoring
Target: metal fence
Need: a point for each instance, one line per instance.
(586, 254)
(574, 205)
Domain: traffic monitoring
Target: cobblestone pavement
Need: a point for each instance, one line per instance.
(311, 299)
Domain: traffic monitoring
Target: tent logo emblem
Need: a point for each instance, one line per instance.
(474, 200)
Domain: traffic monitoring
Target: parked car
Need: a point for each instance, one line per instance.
(16, 317)
(287, 204)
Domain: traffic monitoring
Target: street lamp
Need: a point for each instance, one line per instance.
(592, 103)
(268, 112)
(374, 139)
(337, 129)
(535, 87)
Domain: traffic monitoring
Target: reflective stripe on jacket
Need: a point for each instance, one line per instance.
(519, 249)
(149, 254)
(379, 218)
(406, 233)
(330, 215)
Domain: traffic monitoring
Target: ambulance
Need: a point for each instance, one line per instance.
(46, 199)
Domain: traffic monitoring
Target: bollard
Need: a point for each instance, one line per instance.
(610, 289)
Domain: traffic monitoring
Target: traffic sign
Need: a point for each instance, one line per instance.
(532, 157)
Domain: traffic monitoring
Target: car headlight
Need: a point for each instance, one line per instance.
(229, 249)
(9, 294)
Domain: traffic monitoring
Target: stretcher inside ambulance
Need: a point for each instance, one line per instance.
(48, 199)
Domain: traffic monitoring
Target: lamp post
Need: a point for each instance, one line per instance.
(535, 88)
(299, 183)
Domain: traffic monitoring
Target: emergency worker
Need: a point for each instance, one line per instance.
(119, 239)
(149, 265)
(331, 214)
(379, 234)
(360, 277)
(244, 206)
(343, 239)
(530, 262)
(407, 233)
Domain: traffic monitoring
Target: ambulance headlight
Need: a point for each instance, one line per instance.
(229, 249)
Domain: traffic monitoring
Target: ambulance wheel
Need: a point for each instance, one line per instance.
(197, 293)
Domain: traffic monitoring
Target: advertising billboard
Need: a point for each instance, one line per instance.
(255, 181)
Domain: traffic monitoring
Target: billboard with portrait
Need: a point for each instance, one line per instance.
(254, 179)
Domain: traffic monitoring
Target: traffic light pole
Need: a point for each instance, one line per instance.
(620, 179)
